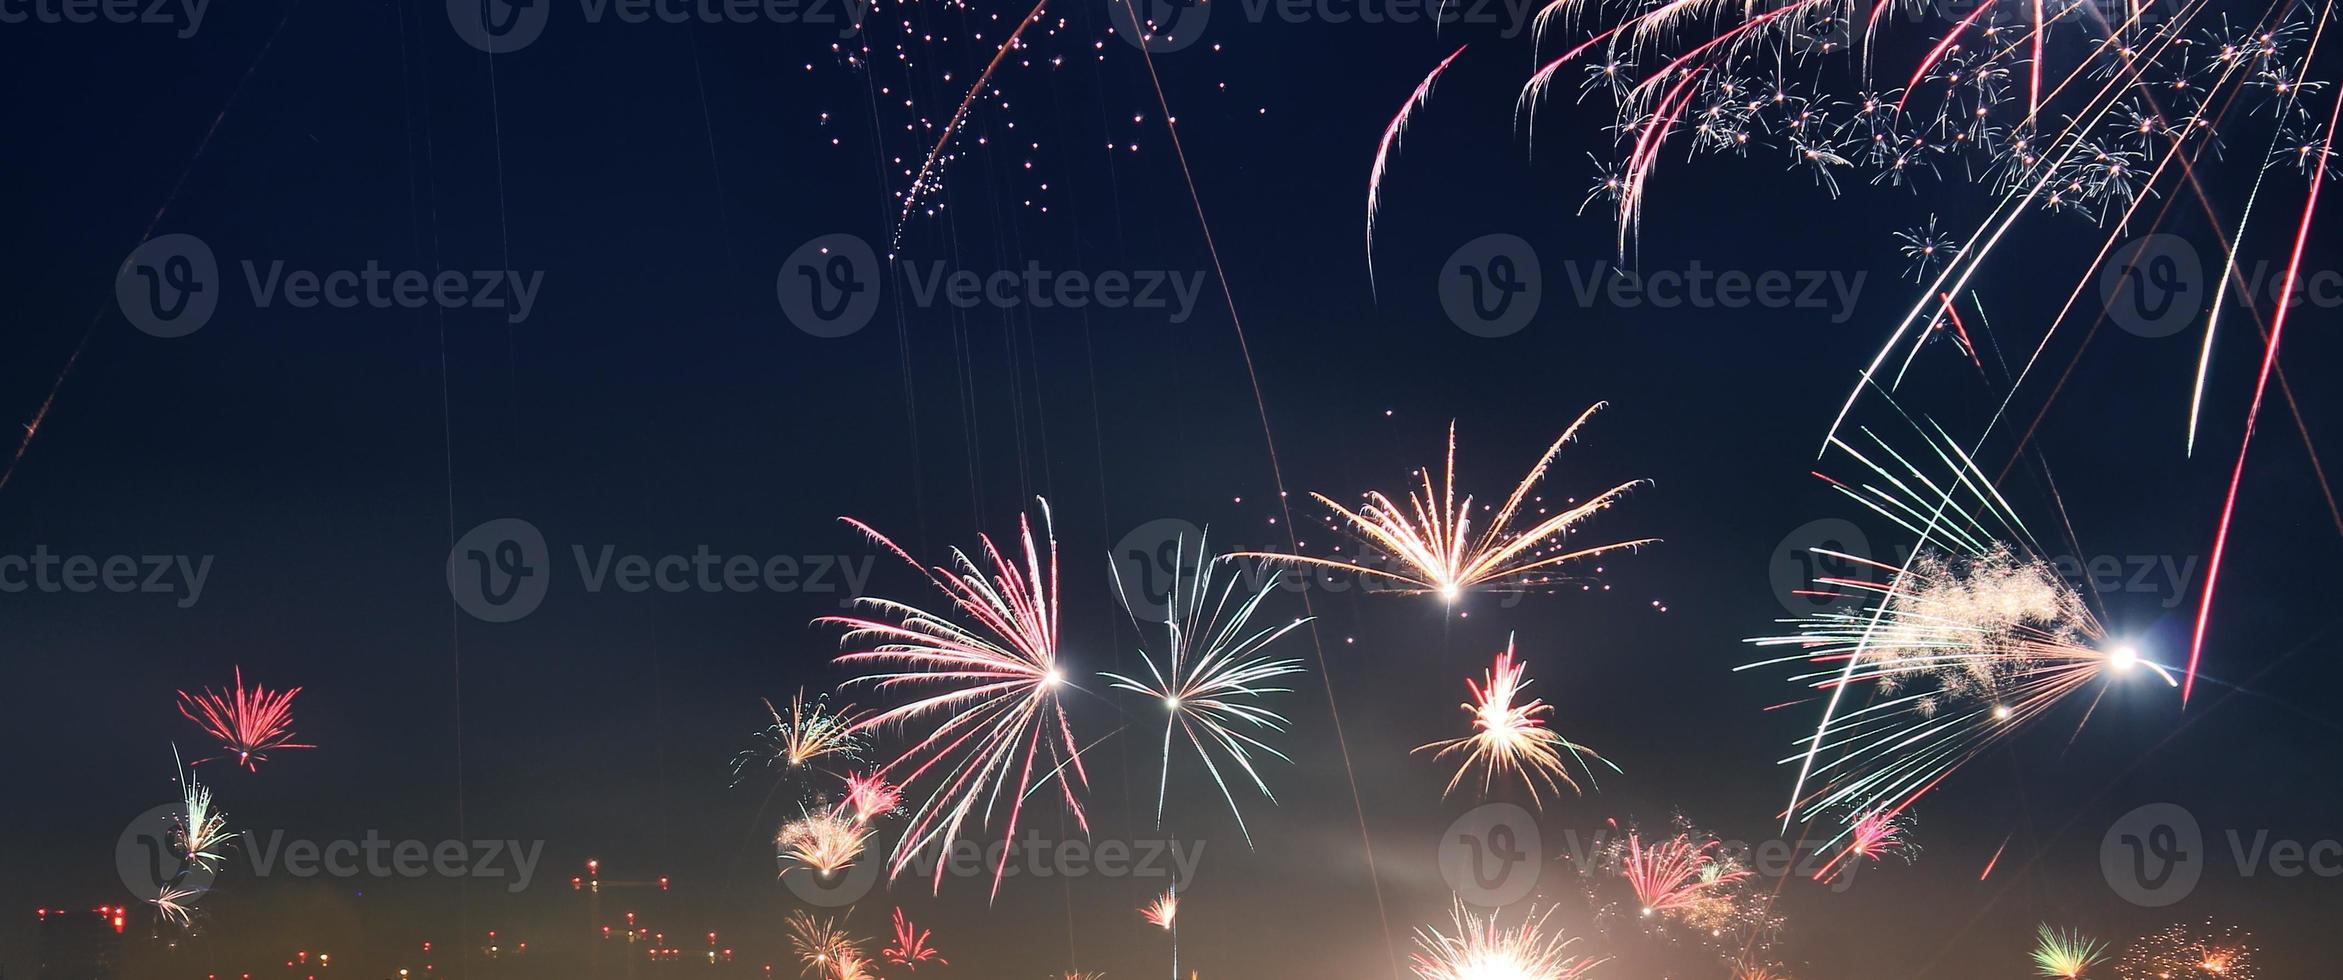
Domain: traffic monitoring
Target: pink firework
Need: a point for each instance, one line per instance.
(1510, 737)
(910, 948)
(1164, 911)
(869, 796)
(1686, 876)
(991, 687)
(249, 724)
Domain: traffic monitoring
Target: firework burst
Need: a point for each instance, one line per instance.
(824, 948)
(1164, 911)
(248, 723)
(1210, 677)
(1952, 651)
(910, 948)
(822, 842)
(1481, 949)
(811, 733)
(1510, 737)
(198, 832)
(2065, 954)
(2178, 952)
(994, 685)
(1687, 878)
(869, 797)
(1433, 547)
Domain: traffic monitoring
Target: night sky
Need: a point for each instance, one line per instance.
(655, 400)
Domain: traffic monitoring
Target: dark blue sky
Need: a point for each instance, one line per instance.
(656, 399)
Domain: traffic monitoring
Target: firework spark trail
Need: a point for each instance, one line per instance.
(1974, 258)
(1962, 648)
(1510, 736)
(1391, 133)
(1210, 674)
(1000, 683)
(1277, 477)
(922, 180)
(2253, 412)
(249, 724)
(1482, 949)
(1432, 538)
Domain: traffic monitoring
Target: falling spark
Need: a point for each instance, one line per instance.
(1510, 737)
(1435, 551)
(1209, 676)
(1002, 730)
(249, 724)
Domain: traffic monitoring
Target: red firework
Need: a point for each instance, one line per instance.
(910, 947)
(249, 724)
